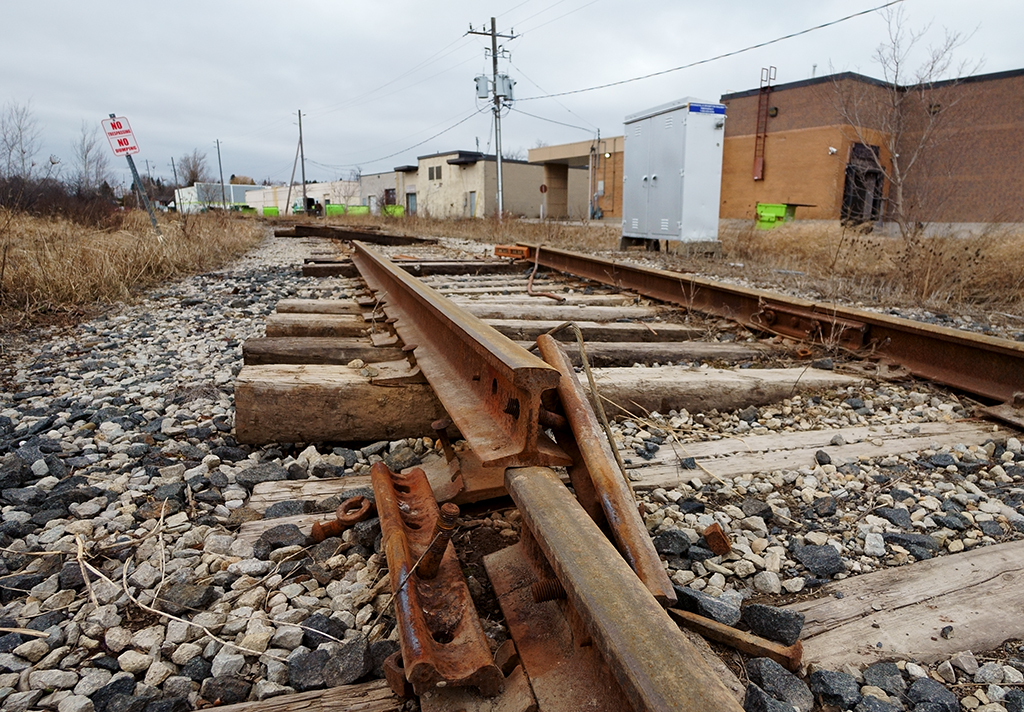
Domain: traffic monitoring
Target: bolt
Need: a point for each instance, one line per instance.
(443, 528)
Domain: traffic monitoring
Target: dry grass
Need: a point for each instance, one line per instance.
(51, 265)
(932, 272)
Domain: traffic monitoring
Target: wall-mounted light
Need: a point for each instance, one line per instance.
(773, 112)
(607, 155)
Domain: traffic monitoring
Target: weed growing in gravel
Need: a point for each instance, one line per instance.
(51, 265)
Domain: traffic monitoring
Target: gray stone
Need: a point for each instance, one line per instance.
(1014, 700)
(288, 508)
(276, 537)
(895, 515)
(778, 624)
(820, 560)
(133, 661)
(989, 673)
(875, 704)
(965, 661)
(250, 567)
(757, 700)
(227, 662)
(22, 701)
(927, 691)
(707, 606)
(672, 543)
(348, 663)
(885, 676)
(52, 680)
(831, 687)
(306, 670)
(32, 650)
(265, 689)
(187, 597)
(780, 683)
(225, 690)
(75, 703)
(262, 472)
(874, 544)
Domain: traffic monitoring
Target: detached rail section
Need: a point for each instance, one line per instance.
(983, 365)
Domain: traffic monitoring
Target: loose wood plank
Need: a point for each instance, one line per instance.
(314, 350)
(671, 474)
(299, 403)
(416, 268)
(978, 592)
(625, 353)
(374, 696)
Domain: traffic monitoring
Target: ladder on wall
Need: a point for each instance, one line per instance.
(767, 77)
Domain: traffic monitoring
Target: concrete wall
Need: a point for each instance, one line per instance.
(373, 185)
(343, 192)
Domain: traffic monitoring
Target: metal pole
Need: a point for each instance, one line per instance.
(138, 182)
(291, 181)
(175, 171)
(302, 153)
(497, 114)
(223, 197)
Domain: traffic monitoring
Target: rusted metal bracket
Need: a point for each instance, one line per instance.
(619, 507)
(490, 386)
(441, 638)
(650, 662)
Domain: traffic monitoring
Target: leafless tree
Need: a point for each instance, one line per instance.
(905, 114)
(514, 154)
(192, 168)
(19, 140)
(90, 167)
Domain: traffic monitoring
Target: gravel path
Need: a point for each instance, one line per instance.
(122, 490)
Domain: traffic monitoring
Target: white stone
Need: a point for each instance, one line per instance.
(134, 662)
(158, 672)
(794, 585)
(75, 703)
(874, 544)
(185, 652)
(767, 582)
(52, 680)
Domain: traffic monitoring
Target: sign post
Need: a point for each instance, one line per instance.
(122, 142)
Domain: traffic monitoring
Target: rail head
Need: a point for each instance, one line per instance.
(490, 386)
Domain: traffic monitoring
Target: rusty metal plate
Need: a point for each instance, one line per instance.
(441, 637)
(490, 386)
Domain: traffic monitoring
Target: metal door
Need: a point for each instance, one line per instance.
(636, 178)
(665, 183)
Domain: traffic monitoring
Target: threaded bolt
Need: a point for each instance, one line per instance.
(547, 590)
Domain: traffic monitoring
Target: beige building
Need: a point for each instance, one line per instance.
(464, 184)
(602, 160)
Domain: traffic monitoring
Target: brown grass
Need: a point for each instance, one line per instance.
(52, 265)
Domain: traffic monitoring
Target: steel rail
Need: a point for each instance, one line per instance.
(979, 364)
(655, 666)
(490, 386)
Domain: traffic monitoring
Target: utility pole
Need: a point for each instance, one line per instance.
(497, 101)
(302, 153)
(223, 196)
(175, 171)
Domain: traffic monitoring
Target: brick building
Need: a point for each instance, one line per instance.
(820, 138)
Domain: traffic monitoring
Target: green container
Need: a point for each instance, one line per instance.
(334, 209)
(270, 211)
(246, 210)
(770, 214)
(359, 210)
(395, 211)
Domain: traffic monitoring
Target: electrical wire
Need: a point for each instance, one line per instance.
(556, 19)
(717, 57)
(550, 121)
(407, 148)
(529, 79)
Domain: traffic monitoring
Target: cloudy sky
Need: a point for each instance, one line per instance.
(380, 83)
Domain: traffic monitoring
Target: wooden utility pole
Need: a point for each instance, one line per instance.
(302, 153)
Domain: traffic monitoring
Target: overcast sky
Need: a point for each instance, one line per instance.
(377, 80)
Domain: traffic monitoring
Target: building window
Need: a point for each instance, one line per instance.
(390, 197)
(434, 173)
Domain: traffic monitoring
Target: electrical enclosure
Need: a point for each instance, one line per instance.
(672, 171)
(482, 87)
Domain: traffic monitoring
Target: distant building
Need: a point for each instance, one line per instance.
(203, 196)
(602, 159)
(458, 184)
(812, 157)
(339, 192)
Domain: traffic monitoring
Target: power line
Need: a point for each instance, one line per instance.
(407, 148)
(716, 58)
(530, 79)
(551, 121)
(556, 19)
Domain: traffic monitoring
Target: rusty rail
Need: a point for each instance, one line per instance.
(442, 640)
(490, 386)
(620, 511)
(983, 365)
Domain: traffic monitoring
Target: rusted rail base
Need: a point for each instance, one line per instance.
(442, 640)
(652, 662)
(986, 366)
(490, 387)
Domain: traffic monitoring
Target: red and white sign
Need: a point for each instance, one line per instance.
(120, 135)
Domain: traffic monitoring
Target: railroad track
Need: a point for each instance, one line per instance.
(451, 343)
